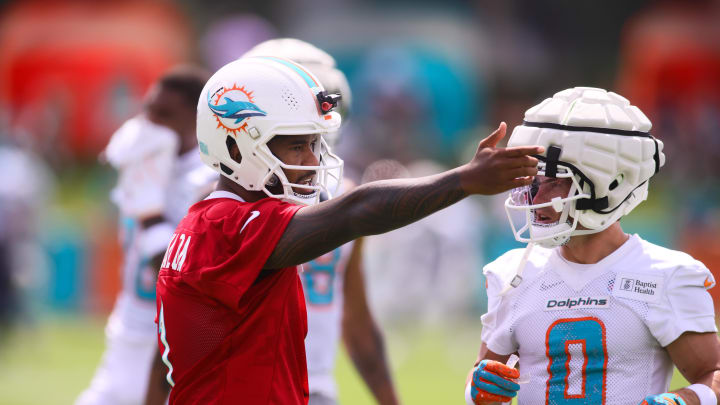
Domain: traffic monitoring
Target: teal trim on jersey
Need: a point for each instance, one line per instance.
(308, 80)
(143, 271)
(590, 332)
(313, 270)
(145, 290)
(163, 339)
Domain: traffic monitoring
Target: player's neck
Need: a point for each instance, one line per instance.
(225, 184)
(590, 249)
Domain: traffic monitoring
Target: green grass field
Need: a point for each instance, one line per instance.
(51, 362)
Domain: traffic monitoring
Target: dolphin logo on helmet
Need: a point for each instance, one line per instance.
(236, 109)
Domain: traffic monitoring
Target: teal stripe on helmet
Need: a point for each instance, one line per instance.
(308, 80)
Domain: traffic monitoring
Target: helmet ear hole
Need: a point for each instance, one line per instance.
(226, 169)
(233, 149)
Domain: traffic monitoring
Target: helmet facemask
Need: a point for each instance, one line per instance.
(525, 212)
(326, 179)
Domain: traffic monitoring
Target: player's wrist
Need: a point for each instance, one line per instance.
(704, 394)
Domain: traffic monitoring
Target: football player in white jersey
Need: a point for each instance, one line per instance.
(334, 283)
(160, 175)
(595, 315)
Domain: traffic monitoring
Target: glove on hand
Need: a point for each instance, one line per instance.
(492, 382)
(667, 398)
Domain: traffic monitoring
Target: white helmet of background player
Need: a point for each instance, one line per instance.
(600, 142)
(319, 62)
(251, 100)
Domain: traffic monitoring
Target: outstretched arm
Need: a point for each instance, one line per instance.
(363, 339)
(382, 206)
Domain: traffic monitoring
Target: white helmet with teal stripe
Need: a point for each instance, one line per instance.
(251, 100)
(317, 61)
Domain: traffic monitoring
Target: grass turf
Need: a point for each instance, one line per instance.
(53, 361)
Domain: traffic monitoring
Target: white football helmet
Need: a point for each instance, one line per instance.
(601, 142)
(251, 100)
(319, 62)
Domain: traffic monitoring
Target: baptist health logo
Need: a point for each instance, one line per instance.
(638, 286)
(231, 106)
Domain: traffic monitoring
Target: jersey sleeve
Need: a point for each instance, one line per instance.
(496, 331)
(143, 153)
(232, 252)
(686, 305)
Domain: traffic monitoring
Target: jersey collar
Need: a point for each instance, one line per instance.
(224, 194)
(578, 275)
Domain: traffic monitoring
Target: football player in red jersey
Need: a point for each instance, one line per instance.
(231, 311)
(334, 283)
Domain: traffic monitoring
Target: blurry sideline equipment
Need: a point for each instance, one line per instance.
(68, 92)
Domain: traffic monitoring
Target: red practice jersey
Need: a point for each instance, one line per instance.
(229, 332)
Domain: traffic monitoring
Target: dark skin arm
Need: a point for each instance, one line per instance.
(158, 387)
(363, 339)
(382, 206)
(697, 357)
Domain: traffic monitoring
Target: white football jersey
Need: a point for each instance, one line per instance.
(595, 334)
(323, 280)
(133, 316)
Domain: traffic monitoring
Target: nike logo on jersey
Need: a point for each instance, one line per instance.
(708, 283)
(544, 286)
(253, 215)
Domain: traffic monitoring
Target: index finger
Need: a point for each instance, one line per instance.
(517, 151)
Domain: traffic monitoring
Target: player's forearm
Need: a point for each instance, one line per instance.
(158, 388)
(712, 380)
(370, 209)
(367, 352)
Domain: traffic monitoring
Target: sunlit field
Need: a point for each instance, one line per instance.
(52, 361)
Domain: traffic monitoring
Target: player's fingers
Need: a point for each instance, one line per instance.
(495, 137)
(522, 161)
(519, 172)
(519, 182)
(484, 397)
(499, 381)
(516, 151)
(486, 386)
(503, 370)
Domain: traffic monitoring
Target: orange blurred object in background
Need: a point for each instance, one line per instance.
(72, 72)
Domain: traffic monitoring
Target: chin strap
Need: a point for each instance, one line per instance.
(515, 282)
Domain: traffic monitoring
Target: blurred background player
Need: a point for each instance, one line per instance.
(334, 283)
(596, 315)
(25, 186)
(160, 175)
